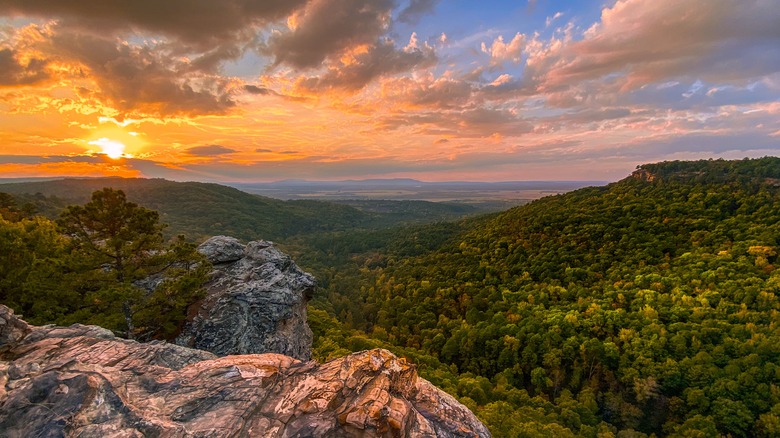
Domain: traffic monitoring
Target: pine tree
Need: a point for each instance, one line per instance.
(123, 268)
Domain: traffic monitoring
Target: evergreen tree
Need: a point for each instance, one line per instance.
(124, 270)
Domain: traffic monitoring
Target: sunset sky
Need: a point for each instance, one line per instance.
(264, 90)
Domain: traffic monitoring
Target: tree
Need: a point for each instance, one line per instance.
(29, 253)
(11, 211)
(126, 273)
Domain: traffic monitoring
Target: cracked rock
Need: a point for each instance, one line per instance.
(77, 382)
(256, 302)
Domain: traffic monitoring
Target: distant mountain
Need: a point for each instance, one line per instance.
(413, 182)
(299, 182)
(512, 193)
(31, 179)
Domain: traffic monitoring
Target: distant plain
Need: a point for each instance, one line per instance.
(501, 194)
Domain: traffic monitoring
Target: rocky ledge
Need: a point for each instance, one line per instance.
(81, 381)
(255, 303)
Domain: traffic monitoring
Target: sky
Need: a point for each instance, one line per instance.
(437, 90)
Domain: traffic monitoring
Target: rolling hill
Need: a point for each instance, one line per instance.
(648, 306)
(201, 210)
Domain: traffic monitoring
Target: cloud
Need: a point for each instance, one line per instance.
(440, 93)
(328, 28)
(412, 13)
(254, 89)
(379, 60)
(550, 20)
(145, 57)
(506, 88)
(15, 72)
(588, 115)
(143, 78)
(671, 95)
(501, 52)
(475, 122)
(647, 41)
(211, 150)
(201, 24)
(443, 93)
(333, 77)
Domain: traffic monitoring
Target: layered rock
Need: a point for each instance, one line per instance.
(82, 381)
(255, 303)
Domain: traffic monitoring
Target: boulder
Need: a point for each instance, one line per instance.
(82, 381)
(222, 249)
(255, 303)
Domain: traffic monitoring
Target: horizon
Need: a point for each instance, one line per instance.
(338, 90)
(11, 180)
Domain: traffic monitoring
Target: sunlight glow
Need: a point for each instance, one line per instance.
(113, 149)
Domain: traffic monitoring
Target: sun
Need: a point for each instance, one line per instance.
(111, 148)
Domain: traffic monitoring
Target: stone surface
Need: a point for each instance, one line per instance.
(222, 249)
(12, 329)
(81, 381)
(255, 303)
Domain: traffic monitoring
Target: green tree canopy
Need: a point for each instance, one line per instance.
(126, 273)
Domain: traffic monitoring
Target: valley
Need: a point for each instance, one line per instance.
(643, 307)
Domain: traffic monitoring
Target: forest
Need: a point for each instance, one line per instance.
(105, 263)
(201, 210)
(647, 307)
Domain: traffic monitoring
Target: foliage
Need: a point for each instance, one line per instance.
(10, 209)
(31, 253)
(202, 210)
(104, 263)
(645, 307)
(121, 265)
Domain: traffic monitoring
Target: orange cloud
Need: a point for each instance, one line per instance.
(72, 169)
(317, 87)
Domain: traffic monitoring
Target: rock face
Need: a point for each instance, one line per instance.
(81, 381)
(255, 303)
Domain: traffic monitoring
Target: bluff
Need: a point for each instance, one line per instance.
(255, 302)
(82, 381)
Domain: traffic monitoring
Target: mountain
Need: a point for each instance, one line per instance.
(201, 210)
(648, 306)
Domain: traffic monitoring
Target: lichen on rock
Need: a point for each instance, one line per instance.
(256, 302)
(82, 381)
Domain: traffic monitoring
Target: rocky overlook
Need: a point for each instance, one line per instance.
(255, 303)
(82, 381)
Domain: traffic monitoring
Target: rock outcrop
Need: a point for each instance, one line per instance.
(255, 303)
(81, 381)
(643, 175)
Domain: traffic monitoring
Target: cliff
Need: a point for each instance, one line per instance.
(255, 303)
(82, 381)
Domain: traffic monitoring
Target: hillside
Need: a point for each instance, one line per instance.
(645, 307)
(648, 306)
(201, 210)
